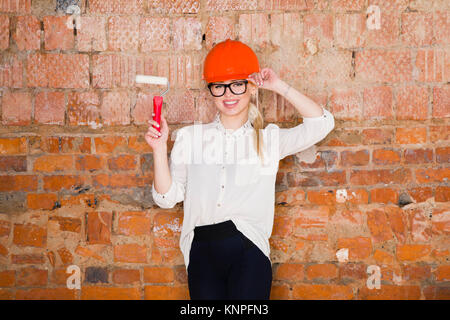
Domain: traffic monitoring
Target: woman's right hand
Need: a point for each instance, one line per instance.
(154, 138)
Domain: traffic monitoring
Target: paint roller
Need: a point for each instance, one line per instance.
(157, 100)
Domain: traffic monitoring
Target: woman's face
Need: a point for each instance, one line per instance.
(241, 101)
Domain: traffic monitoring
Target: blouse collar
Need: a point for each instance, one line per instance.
(230, 132)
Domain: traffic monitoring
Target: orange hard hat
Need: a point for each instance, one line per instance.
(228, 60)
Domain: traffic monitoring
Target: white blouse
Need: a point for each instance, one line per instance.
(218, 175)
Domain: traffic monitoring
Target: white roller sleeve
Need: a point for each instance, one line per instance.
(151, 79)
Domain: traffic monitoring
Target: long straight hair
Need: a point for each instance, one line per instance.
(257, 120)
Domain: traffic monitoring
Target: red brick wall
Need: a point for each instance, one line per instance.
(75, 169)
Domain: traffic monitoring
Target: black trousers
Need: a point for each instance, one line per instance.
(225, 264)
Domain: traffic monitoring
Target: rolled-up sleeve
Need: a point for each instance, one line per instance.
(306, 134)
(178, 172)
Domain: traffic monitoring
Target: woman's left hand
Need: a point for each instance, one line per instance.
(266, 79)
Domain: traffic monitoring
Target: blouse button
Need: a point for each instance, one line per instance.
(218, 204)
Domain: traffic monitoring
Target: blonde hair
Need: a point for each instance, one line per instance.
(257, 120)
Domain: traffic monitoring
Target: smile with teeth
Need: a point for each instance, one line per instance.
(229, 103)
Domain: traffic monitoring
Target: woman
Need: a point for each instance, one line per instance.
(229, 202)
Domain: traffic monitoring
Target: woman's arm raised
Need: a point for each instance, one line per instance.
(317, 121)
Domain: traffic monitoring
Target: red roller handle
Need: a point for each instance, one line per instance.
(157, 105)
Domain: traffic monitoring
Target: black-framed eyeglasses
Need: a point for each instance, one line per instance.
(236, 87)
